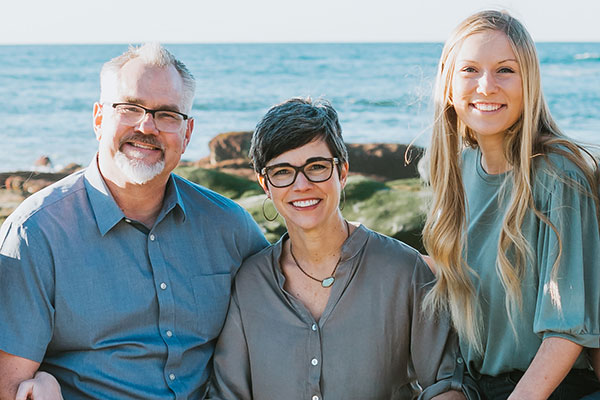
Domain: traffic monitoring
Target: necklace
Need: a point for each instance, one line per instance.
(327, 282)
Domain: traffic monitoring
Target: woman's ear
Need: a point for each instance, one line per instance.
(263, 183)
(344, 173)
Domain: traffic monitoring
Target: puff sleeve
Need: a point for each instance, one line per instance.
(568, 300)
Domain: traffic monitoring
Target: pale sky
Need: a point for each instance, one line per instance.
(217, 21)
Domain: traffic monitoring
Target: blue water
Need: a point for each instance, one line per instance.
(382, 91)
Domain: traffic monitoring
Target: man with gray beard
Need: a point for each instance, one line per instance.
(116, 279)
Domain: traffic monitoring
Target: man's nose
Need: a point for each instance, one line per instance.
(147, 125)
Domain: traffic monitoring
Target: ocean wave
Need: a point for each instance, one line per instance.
(587, 56)
(376, 103)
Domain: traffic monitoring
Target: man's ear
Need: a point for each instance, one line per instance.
(97, 119)
(188, 134)
(263, 183)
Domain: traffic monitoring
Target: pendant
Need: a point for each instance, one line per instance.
(327, 281)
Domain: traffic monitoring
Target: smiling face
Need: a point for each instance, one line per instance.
(140, 153)
(487, 91)
(307, 205)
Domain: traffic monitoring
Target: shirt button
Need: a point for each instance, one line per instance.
(163, 286)
(169, 333)
(127, 220)
(152, 237)
(314, 361)
(315, 398)
(172, 377)
(314, 327)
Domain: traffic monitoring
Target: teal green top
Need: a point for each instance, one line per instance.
(575, 316)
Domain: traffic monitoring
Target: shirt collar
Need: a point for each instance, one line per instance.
(106, 211)
(350, 248)
(172, 200)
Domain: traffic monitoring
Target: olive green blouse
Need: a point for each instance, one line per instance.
(573, 312)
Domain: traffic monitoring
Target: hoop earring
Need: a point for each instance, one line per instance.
(265, 214)
(343, 199)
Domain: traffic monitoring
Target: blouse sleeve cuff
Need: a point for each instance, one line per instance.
(584, 339)
(460, 381)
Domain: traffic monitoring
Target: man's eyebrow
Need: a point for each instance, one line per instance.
(164, 107)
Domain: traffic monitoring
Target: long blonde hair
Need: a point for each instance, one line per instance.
(534, 133)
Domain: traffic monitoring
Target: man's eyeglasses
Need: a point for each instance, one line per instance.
(316, 169)
(130, 114)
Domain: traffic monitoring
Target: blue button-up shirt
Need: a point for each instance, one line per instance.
(114, 310)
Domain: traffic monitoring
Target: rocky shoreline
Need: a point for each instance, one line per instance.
(384, 191)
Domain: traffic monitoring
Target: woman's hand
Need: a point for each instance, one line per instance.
(43, 386)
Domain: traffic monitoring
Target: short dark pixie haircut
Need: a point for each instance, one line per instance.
(292, 124)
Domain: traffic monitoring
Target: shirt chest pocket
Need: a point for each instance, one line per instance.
(211, 293)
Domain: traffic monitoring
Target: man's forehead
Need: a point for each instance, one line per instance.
(144, 102)
(144, 84)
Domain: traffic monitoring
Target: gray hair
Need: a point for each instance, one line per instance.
(152, 54)
(293, 124)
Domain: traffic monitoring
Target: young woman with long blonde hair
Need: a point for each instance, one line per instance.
(513, 228)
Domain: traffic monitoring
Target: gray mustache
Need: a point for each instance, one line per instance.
(146, 139)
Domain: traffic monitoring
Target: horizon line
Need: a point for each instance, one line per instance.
(259, 42)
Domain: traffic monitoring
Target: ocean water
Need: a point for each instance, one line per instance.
(381, 91)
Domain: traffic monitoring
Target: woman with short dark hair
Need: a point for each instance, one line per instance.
(333, 309)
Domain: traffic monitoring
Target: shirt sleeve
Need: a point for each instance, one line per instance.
(568, 303)
(231, 364)
(27, 291)
(254, 239)
(435, 355)
(434, 346)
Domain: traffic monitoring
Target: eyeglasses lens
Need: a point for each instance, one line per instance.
(316, 171)
(131, 115)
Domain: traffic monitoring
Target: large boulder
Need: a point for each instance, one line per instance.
(397, 208)
(232, 186)
(230, 146)
(29, 181)
(383, 161)
(70, 168)
(9, 200)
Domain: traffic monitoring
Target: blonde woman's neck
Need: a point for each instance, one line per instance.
(493, 160)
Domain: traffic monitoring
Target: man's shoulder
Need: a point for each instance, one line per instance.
(262, 259)
(202, 203)
(51, 198)
(198, 196)
(257, 270)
